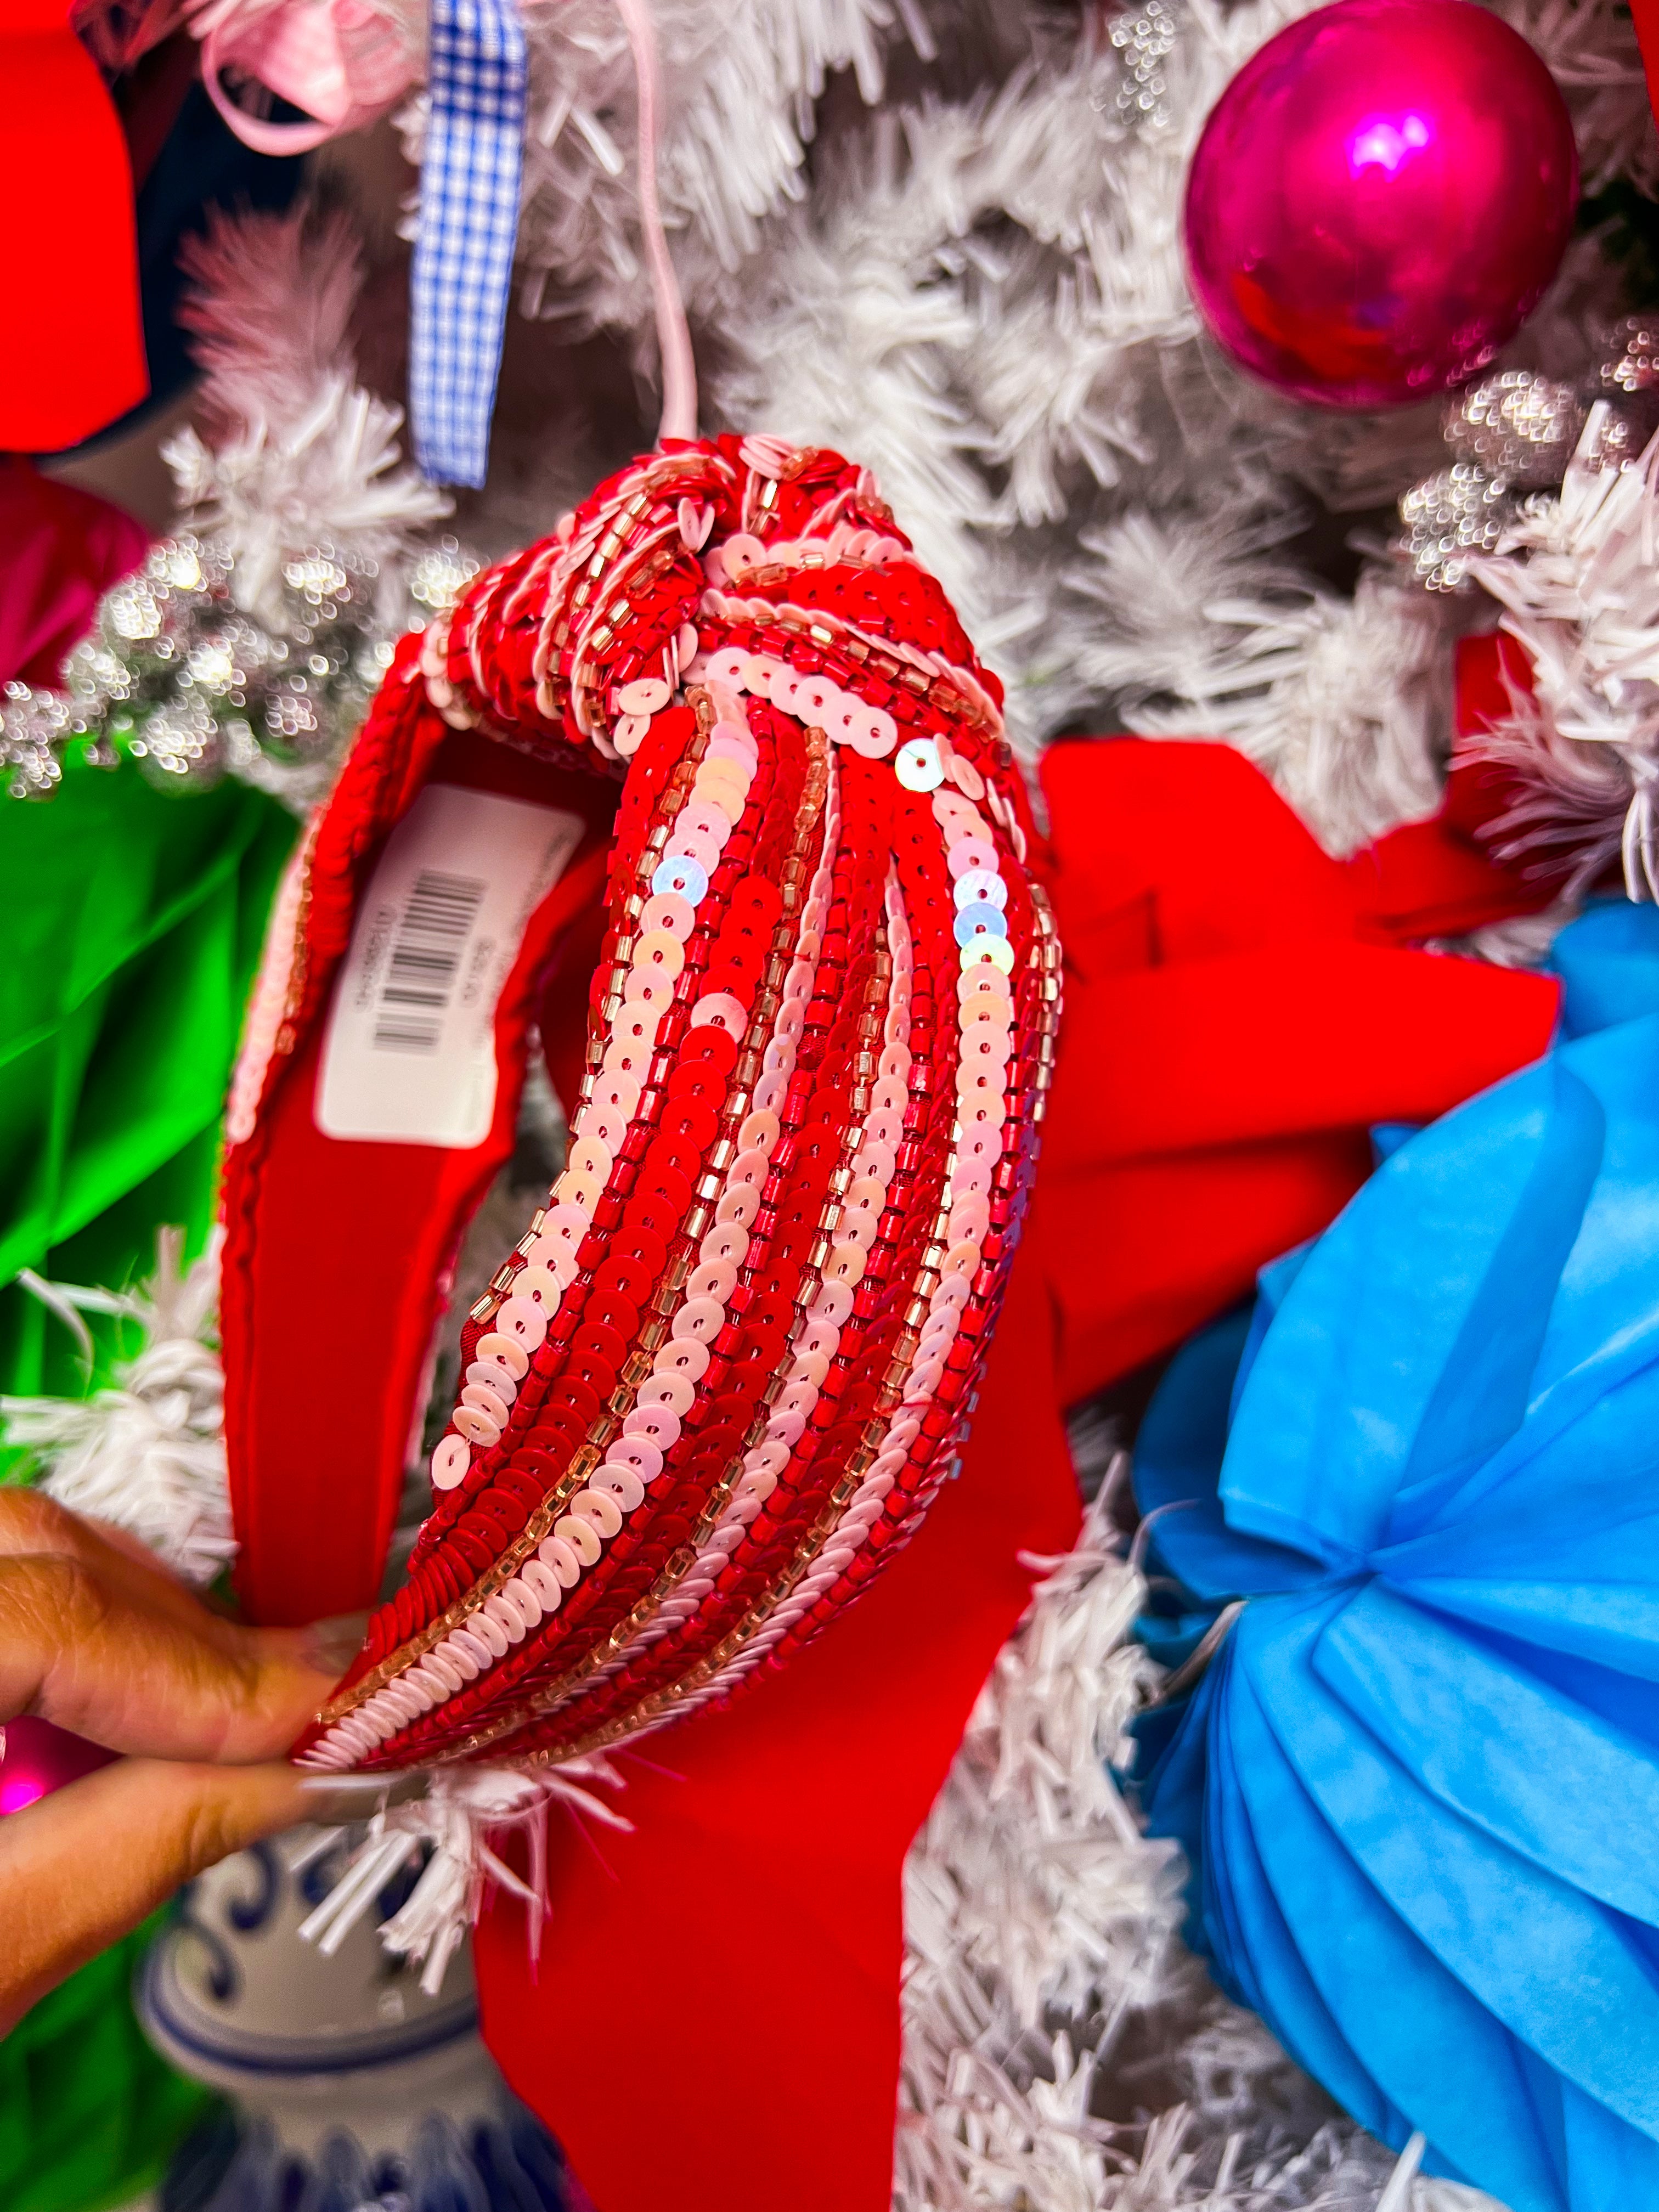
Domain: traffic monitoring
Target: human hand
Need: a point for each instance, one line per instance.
(96, 1636)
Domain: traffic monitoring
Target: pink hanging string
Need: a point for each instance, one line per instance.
(679, 368)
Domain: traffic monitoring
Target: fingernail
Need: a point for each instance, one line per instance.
(333, 1804)
(332, 1644)
(354, 1797)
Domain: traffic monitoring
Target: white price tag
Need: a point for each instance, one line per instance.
(410, 1055)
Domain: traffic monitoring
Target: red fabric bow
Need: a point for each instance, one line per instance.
(1644, 14)
(1240, 1009)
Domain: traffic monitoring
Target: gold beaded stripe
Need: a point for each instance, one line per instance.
(611, 533)
(712, 1515)
(612, 545)
(1045, 958)
(953, 691)
(1043, 963)
(589, 1454)
(1050, 1000)
(747, 1068)
(884, 1018)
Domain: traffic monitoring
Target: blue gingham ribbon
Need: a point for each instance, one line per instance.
(469, 220)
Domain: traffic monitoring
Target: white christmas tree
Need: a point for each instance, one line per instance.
(946, 238)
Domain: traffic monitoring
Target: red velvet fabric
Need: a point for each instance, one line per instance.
(1232, 1029)
(76, 359)
(715, 2021)
(1240, 1009)
(61, 549)
(338, 1253)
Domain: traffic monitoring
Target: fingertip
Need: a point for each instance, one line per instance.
(332, 1645)
(281, 1694)
(205, 1813)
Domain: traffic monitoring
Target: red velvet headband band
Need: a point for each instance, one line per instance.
(722, 1374)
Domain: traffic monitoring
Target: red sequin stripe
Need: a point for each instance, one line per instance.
(1011, 1185)
(778, 571)
(627, 585)
(923, 1159)
(595, 1721)
(894, 603)
(931, 1457)
(629, 1566)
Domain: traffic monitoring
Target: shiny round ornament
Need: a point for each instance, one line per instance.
(1379, 199)
(37, 1757)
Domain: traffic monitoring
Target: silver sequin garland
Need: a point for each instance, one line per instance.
(1144, 37)
(1513, 435)
(179, 678)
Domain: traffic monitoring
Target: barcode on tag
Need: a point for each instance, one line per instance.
(425, 964)
(409, 1053)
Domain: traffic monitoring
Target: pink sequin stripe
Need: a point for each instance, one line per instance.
(482, 621)
(434, 669)
(730, 611)
(582, 554)
(730, 562)
(536, 582)
(614, 581)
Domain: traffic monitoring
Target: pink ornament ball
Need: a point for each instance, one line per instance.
(38, 1758)
(1379, 199)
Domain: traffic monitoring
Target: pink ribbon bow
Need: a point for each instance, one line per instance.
(344, 62)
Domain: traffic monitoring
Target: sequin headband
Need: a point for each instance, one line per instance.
(721, 1376)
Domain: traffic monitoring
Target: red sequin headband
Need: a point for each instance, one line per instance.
(722, 1376)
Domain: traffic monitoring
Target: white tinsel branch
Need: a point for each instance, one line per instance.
(453, 1825)
(1196, 625)
(741, 86)
(297, 453)
(985, 299)
(980, 291)
(147, 1454)
(1031, 1905)
(1577, 576)
(1589, 48)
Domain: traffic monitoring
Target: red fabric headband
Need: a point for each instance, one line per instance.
(720, 1379)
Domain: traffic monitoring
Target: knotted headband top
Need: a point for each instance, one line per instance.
(720, 1377)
